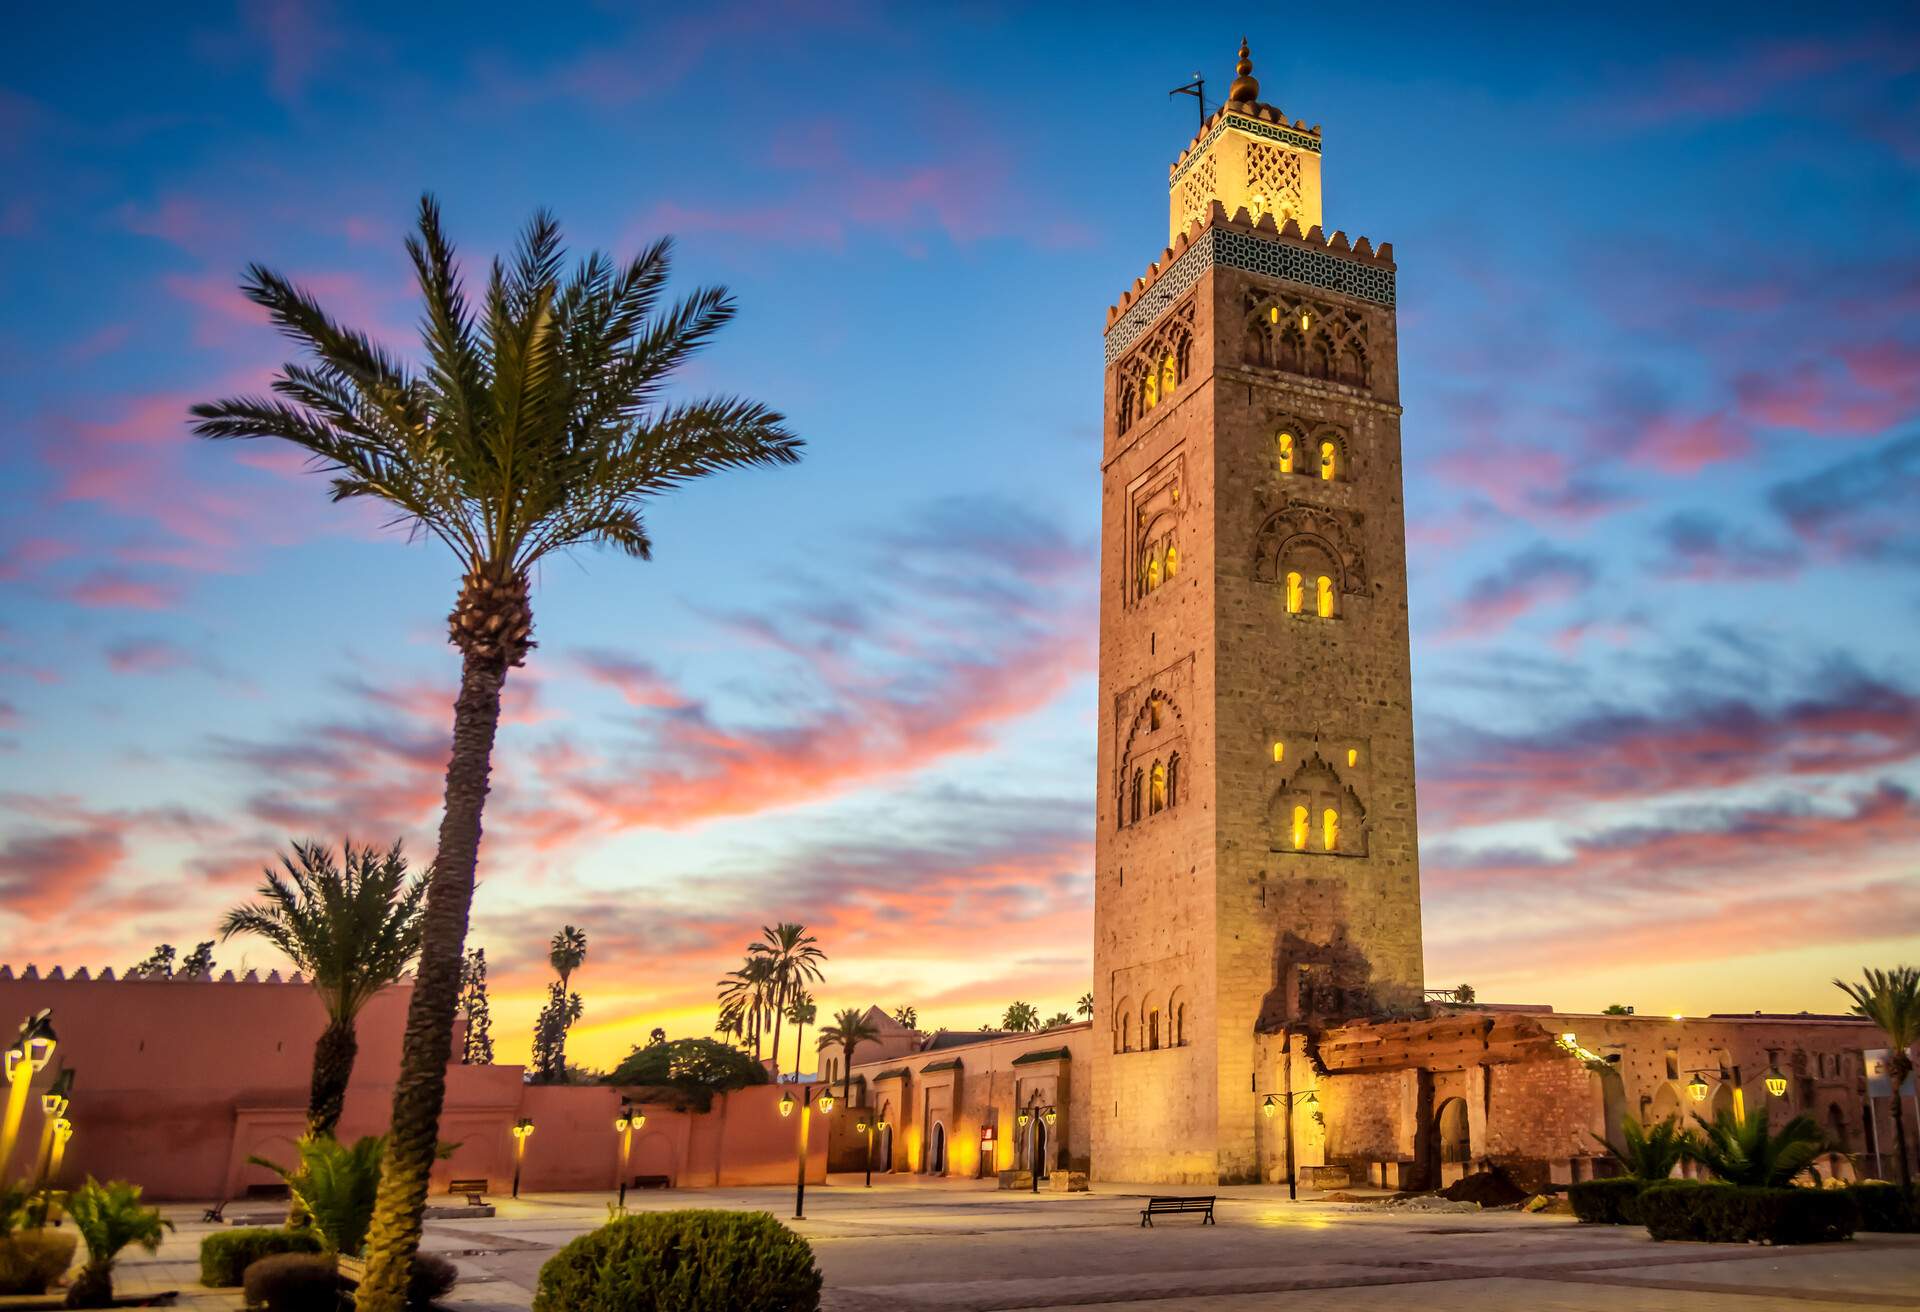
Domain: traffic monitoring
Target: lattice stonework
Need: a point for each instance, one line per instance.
(1254, 254)
(1197, 192)
(1273, 182)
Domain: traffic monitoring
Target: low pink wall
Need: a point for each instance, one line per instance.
(178, 1082)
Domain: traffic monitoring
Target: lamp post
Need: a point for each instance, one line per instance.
(53, 1106)
(26, 1057)
(870, 1128)
(625, 1124)
(522, 1131)
(1274, 1103)
(1030, 1122)
(805, 1103)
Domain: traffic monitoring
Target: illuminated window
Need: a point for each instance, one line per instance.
(1157, 800)
(1274, 315)
(1153, 571)
(1169, 375)
(1173, 779)
(1330, 829)
(1150, 391)
(1329, 459)
(1296, 597)
(1300, 825)
(1286, 453)
(1153, 712)
(1353, 756)
(1173, 560)
(1279, 753)
(1323, 597)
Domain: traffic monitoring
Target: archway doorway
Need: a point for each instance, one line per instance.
(883, 1142)
(1037, 1158)
(937, 1150)
(1453, 1138)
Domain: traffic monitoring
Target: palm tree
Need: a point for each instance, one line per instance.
(565, 953)
(1650, 1152)
(1085, 1006)
(109, 1217)
(567, 950)
(801, 1012)
(1021, 1018)
(907, 1016)
(539, 424)
(1056, 1020)
(850, 1029)
(793, 959)
(745, 994)
(1891, 1000)
(1741, 1150)
(352, 929)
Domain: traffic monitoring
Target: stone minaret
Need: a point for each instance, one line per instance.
(1256, 871)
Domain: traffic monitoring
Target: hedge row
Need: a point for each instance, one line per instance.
(1739, 1214)
(225, 1255)
(1614, 1201)
(1885, 1209)
(1878, 1206)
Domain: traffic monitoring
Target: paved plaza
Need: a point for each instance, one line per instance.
(959, 1247)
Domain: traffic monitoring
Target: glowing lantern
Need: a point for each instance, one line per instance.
(1697, 1089)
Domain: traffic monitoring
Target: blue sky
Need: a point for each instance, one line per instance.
(1659, 274)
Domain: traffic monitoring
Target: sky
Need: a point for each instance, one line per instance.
(1660, 332)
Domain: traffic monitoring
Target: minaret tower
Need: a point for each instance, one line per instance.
(1256, 870)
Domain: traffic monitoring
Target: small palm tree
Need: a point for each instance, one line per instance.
(801, 1011)
(656, 1036)
(907, 1016)
(1021, 1018)
(850, 1029)
(334, 1186)
(1085, 1006)
(1650, 1152)
(793, 959)
(1891, 1000)
(109, 1217)
(1056, 1020)
(1742, 1150)
(352, 928)
(539, 424)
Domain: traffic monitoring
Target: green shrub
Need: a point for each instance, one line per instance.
(687, 1261)
(432, 1278)
(294, 1282)
(1739, 1214)
(1607, 1202)
(1884, 1208)
(110, 1218)
(334, 1186)
(30, 1260)
(226, 1254)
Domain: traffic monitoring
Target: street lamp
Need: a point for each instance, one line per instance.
(870, 1128)
(1697, 1088)
(26, 1057)
(1030, 1122)
(1274, 1103)
(522, 1131)
(805, 1103)
(625, 1124)
(53, 1107)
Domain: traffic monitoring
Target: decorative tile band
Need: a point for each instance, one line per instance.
(1252, 127)
(1250, 254)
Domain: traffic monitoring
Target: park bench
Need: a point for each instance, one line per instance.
(652, 1182)
(1160, 1205)
(475, 1190)
(217, 1213)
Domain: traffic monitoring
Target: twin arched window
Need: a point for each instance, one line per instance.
(1153, 789)
(1303, 828)
(1159, 562)
(1323, 595)
(1290, 456)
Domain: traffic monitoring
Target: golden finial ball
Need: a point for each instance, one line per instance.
(1246, 87)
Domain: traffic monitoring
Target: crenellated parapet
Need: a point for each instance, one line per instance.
(58, 974)
(1262, 245)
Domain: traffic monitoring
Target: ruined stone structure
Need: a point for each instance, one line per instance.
(1255, 861)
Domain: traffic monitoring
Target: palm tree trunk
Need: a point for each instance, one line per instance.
(799, 1046)
(422, 1086)
(332, 1067)
(846, 1076)
(779, 1006)
(1900, 1123)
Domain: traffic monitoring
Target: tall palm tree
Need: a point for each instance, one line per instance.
(565, 953)
(1891, 1000)
(747, 992)
(539, 423)
(1085, 1006)
(793, 959)
(1021, 1018)
(352, 929)
(567, 950)
(801, 1011)
(850, 1029)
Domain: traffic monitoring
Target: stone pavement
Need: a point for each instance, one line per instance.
(956, 1247)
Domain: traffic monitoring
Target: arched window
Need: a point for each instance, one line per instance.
(1330, 829)
(1323, 597)
(1173, 560)
(1157, 800)
(1126, 1033)
(1353, 756)
(1153, 571)
(1286, 451)
(1139, 785)
(1169, 375)
(1173, 779)
(1149, 391)
(1180, 1026)
(1153, 1031)
(1300, 826)
(1279, 752)
(1153, 712)
(1329, 461)
(1296, 595)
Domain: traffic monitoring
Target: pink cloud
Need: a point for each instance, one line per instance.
(148, 656)
(109, 589)
(1686, 446)
(1540, 577)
